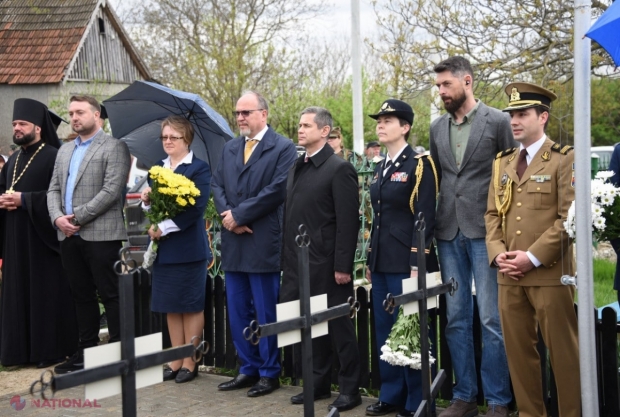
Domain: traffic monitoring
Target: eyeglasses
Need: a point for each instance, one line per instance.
(245, 113)
(333, 137)
(172, 138)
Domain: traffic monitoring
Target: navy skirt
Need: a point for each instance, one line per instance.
(179, 288)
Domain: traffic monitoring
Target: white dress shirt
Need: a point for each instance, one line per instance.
(168, 226)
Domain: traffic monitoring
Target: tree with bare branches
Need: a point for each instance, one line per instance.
(529, 40)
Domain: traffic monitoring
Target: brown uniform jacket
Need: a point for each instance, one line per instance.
(538, 206)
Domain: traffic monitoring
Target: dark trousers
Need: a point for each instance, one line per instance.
(90, 269)
(615, 243)
(253, 296)
(342, 342)
(400, 385)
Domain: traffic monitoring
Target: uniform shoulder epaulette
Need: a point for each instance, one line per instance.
(421, 155)
(563, 150)
(505, 152)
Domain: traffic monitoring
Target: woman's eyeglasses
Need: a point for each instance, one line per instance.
(172, 138)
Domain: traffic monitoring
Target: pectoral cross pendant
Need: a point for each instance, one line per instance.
(10, 191)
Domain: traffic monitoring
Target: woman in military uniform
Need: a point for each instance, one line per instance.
(404, 185)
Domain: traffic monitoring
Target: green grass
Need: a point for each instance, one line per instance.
(604, 293)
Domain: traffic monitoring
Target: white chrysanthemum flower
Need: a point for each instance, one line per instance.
(599, 223)
(603, 175)
(597, 210)
(607, 200)
(403, 347)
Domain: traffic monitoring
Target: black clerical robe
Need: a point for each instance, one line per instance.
(37, 313)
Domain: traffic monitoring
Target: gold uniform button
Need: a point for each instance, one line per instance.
(518, 233)
(518, 204)
(537, 188)
(518, 190)
(518, 218)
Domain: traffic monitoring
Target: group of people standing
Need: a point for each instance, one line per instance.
(492, 218)
(488, 222)
(62, 227)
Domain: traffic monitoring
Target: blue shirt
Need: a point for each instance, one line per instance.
(76, 160)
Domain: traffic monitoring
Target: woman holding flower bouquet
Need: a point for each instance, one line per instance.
(175, 202)
(404, 185)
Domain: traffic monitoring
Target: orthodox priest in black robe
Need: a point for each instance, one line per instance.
(37, 314)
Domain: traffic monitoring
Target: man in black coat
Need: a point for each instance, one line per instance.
(322, 194)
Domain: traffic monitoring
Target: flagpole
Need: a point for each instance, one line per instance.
(587, 350)
(356, 66)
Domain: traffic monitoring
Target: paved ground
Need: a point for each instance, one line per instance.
(197, 398)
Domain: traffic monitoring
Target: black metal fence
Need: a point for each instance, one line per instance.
(223, 355)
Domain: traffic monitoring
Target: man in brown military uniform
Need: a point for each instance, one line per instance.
(531, 190)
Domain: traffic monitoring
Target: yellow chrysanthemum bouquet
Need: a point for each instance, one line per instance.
(170, 194)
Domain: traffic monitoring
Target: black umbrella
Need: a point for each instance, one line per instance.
(136, 113)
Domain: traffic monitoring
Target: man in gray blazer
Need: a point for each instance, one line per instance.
(464, 142)
(84, 203)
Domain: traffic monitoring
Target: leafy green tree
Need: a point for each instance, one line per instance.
(605, 111)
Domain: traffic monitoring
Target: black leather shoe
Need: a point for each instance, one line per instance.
(238, 382)
(169, 374)
(49, 362)
(299, 398)
(380, 409)
(185, 375)
(346, 402)
(264, 386)
(74, 363)
(406, 413)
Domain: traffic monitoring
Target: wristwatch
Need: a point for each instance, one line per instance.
(75, 222)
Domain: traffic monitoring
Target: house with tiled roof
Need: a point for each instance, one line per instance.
(52, 49)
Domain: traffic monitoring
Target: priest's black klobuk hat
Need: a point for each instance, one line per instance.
(393, 107)
(526, 95)
(56, 119)
(37, 113)
(104, 113)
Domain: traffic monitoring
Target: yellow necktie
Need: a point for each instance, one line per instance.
(249, 145)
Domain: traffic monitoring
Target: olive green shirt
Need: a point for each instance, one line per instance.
(459, 134)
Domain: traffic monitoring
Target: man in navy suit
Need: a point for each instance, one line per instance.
(249, 188)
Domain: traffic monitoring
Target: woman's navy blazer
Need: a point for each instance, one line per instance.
(190, 244)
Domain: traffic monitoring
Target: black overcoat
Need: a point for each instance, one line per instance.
(322, 194)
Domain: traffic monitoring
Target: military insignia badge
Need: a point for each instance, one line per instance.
(512, 157)
(546, 156)
(515, 96)
(540, 178)
(504, 179)
(374, 179)
(397, 164)
(572, 180)
(399, 177)
(386, 107)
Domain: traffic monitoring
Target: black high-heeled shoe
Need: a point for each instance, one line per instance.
(169, 374)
